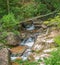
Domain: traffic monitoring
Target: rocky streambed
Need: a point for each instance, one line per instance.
(34, 44)
(38, 46)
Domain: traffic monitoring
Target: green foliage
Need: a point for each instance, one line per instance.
(54, 59)
(57, 40)
(42, 9)
(3, 37)
(53, 3)
(8, 22)
(27, 62)
(53, 21)
(29, 10)
(56, 4)
(22, 11)
(3, 10)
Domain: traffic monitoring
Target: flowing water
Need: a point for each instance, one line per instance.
(27, 42)
(32, 27)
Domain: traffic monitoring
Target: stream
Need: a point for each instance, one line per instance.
(27, 42)
(39, 41)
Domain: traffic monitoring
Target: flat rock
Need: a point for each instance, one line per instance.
(4, 57)
(54, 33)
(19, 50)
(37, 47)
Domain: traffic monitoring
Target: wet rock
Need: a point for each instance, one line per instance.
(16, 58)
(12, 39)
(4, 57)
(33, 57)
(18, 51)
(44, 26)
(26, 54)
(23, 35)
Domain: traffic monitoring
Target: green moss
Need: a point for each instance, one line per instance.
(46, 22)
(57, 40)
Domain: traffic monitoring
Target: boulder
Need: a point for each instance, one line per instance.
(12, 39)
(4, 57)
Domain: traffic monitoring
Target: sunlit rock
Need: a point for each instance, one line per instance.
(38, 47)
(18, 51)
(53, 33)
(49, 50)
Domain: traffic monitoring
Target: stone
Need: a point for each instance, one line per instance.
(38, 47)
(54, 33)
(15, 63)
(44, 55)
(49, 50)
(4, 57)
(42, 63)
(26, 54)
(34, 57)
(44, 26)
(18, 51)
(12, 39)
(49, 41)
(1, 45)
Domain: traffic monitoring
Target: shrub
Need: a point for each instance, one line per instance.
(53, 21)
(8, 22)
(29, 10)
(3, 36)
(42, 9)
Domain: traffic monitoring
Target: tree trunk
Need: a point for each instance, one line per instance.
(8, 7)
